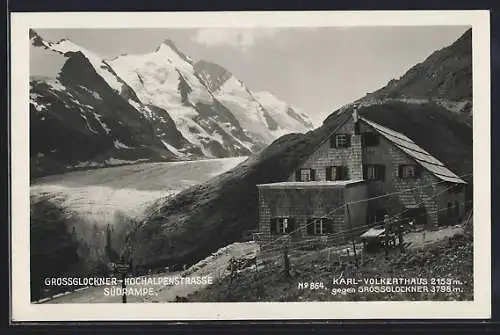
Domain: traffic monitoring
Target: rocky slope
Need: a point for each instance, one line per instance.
(206, 217)
(156, 106)
(443, 77)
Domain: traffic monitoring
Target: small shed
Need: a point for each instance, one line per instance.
(372, 239)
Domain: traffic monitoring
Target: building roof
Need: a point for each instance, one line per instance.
(373, 232)
(425, 159)
(312, 184)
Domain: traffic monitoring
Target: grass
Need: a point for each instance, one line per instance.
(451, 258)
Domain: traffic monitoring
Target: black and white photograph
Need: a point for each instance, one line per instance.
(251, 162)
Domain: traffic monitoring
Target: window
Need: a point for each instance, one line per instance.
(319, 226)
(374, 172)
(457, 209)
(337, 173)
(408, 171)
(449, 210)
(370, 139)
(282, 226)
(305, 175)
(340, 141)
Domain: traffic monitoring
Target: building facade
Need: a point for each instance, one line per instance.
(315, 208)
(382, 171)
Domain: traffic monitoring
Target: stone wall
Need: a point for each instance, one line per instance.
(300, 204)
(325, 156)
(306, 203)
(358, 209)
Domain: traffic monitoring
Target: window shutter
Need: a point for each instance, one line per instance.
(338, 172)
(328, 173)
(400, 171)
(328, 226)
(333, 141)
(274, 224)
(381, 172)
(418, 171)
(291, 225)
(345, 173)
(310, 226)
(348, 141)
(297, 175)
(365, 172)
(313, 174)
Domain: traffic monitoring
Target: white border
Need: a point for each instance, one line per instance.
(23, 310)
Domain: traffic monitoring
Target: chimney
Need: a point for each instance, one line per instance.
(355, 118)
(356, 160)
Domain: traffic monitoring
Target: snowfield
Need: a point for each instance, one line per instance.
(99, 195)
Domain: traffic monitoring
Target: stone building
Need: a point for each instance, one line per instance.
(361, 172)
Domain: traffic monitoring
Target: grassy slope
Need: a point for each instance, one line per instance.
(207, 217)
(451, 258)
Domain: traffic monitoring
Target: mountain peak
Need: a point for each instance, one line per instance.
(36, 39)
(33, 33)
(168, 44)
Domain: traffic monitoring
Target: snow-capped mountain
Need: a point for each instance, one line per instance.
(154, 106)
(84, 115)
(263, 116)
(166, 78)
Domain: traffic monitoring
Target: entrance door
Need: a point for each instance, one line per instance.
(416, 215)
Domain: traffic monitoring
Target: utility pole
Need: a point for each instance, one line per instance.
(124, 286)
(286, 261)
(122, 268)
(353, 241)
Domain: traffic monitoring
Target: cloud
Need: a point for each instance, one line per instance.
(239, 38)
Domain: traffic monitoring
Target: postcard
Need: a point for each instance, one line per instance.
(250, 165)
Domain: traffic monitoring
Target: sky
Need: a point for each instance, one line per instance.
(316, 69)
